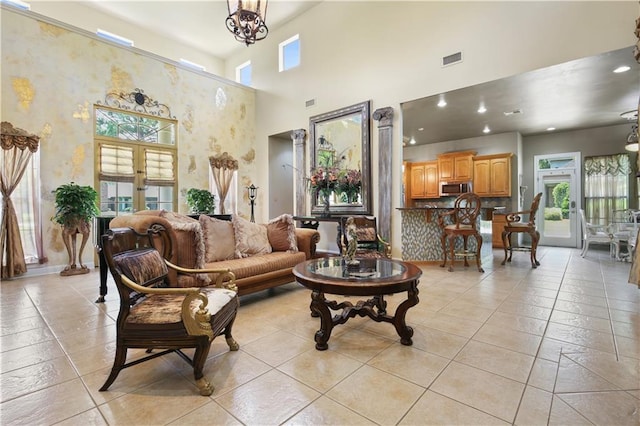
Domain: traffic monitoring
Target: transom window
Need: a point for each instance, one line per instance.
(289, 53)
(243, 73)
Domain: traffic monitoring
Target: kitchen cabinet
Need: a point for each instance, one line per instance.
(492, 175)
(497, 226)
(424, 180)
(456, 166)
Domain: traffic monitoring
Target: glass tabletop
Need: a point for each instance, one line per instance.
(365, 269)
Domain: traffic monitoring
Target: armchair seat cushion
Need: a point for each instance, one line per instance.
(166, 309)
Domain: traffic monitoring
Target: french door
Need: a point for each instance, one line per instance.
(558, 178)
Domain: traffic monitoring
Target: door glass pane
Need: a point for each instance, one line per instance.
(158, 198)
(557, 196)
(116, 198)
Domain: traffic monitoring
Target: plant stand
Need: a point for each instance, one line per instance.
(69, 232)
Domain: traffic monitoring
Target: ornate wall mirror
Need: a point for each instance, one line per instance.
(341, 161)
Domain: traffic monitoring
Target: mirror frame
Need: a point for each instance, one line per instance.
(362, 109)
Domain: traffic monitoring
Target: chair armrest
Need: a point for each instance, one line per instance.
(157, 290)
(225, 279)
(515, 216)
(385, 245)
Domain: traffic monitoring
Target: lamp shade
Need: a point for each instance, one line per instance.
(632, 139)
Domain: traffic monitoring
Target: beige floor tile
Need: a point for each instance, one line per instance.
(409, 363)
(624, 305)
(550, 349)
(510, 339)
(35, 377)
(359, 345)
(437, 342)
(29, 355)
(91, 417)
(525, 310)
(581, 336)
(158, 403)
(494, 359)
(582, 309)
(81, 341)
(25, 338)
(628, 347)
(467, 311)
(605, 408)
(230, 370)
(47, 406)
(488, 392)
(247, 329)
(279, 347)
(320, 370)
(435, 409)
(626, 329)
(573, 377)
(621, 371)
(324, 411)
(376, 395)
(529, 299)
(578, 287)
(451, 324)
(517, 322)
(535, 407)
(586, 299)
(81, 325)
(625, 316)
(272, 398)
(12, 326)
(209, 414)
(543, 374)
(582, 321)
(95, 358)
(526, 291)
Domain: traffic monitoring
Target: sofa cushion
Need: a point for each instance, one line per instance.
(251, 238)
(190, 242)
(282, 233)
(259, 264)
(219, 239)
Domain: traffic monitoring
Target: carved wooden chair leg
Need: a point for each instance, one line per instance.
(451, 252)
(443, 242)
(464, 250)
(199, 357)
(504, 246)
(118, 362)
(478, 249)
(233, 345)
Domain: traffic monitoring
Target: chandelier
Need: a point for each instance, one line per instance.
(246, 20)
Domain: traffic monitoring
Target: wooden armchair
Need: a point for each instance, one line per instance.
(154, 315)
(370, 243)
(461, 222)
(514, 223)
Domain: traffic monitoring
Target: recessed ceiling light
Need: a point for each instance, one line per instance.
(420, 129)
(482, 109)
(550, 129)
(442, 103)
(412, 141)
(515, 111)
(623, 68)
(486, 129)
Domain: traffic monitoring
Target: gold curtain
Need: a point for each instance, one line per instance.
(223, 166)
(17, 148)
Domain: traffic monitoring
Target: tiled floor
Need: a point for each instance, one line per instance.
(556, 345)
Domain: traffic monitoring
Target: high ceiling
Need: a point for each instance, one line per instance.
(575, 95)
(200, 24)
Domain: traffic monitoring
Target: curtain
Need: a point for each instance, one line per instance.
(606, 186)
(223, 167)
(17, 148)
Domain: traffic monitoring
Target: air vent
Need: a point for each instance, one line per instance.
(452, 59)
(515, 111)
(310, 103)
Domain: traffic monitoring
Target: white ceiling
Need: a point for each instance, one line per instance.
(200, 24)
(574, 95)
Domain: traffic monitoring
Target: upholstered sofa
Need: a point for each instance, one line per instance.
(260, 255)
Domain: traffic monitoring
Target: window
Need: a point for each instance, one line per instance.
(243, 73)
(606, 186)
(290, 53)
(136, 161)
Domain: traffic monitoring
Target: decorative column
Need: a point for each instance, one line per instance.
(299, 160)
(384, 116)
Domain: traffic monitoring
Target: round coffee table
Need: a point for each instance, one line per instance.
(370, 277)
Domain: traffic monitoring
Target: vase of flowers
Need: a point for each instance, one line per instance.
(322, 183)
(350, 184)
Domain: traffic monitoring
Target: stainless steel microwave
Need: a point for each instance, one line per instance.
(454, 188)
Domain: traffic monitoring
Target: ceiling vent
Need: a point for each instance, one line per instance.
(452, 59)
(310, 103)
(515, 111)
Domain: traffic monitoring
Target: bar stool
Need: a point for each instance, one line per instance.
(461, 223)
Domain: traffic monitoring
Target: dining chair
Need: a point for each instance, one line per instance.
(514, 223)
(461, 222)
(596, 234)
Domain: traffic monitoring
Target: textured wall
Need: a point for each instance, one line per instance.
(52, 77)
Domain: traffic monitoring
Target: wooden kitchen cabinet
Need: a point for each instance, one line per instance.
(492, 175)
(497, 226)
(424, 180)
(456, 166)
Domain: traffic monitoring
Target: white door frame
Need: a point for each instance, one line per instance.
(574, 170)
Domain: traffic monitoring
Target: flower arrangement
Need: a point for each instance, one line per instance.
(350, 184)
(323, 181)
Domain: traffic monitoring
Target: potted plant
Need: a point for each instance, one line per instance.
(201, 201)
(76, 206)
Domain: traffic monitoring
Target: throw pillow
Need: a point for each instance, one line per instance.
(282, 233)
(219, 239)
(251, 238)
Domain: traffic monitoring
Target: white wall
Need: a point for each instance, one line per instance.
(390, 52)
